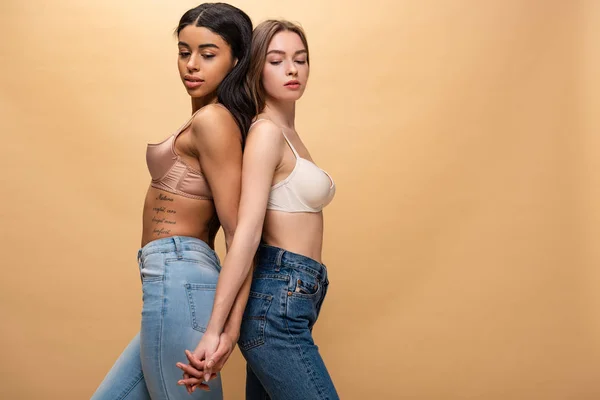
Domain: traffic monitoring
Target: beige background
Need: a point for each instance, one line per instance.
(462, 244)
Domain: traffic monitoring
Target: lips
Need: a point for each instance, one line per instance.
(192, 82)
(293, 83)
(193, 78)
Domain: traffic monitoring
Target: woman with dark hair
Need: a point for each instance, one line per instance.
(195, 189)
(283, 195)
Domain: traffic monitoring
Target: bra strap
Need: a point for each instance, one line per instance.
(285, 137)
(290, 144)
(187, 123)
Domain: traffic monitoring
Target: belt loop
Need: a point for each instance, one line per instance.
(139, 256)
(278, 259)
(178, 247)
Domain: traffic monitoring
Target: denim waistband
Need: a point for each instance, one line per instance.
(271, 257)
(176, 244)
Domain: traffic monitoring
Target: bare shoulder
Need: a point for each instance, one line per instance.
(264, 133)
(214, 118)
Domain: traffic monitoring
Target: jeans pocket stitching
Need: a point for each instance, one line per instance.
(248, 344)
(190, 288)
(153, 279)
(184, 259)
(301, 295)
(277, 277)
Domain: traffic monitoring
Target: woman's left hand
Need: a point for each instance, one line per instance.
(197, 361)
(207, 367)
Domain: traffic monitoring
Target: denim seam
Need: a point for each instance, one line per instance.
(303, 267)
(320, 302)
(216, 267)
(154, 279)
(192, 305)
(260, 340)
(160, 339)
(182, 259)
(133, 385)
(303, 358)
(311, 296)
(258, 295)
(277, 277)
(199, 249)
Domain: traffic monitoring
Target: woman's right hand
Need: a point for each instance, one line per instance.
(196, 372)
(193, 373)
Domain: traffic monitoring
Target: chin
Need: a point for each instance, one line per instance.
(287, 97)
(198, 92)
(294, 97)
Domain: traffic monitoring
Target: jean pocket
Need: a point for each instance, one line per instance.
(306, 286)
(252, 333)
(200, 298)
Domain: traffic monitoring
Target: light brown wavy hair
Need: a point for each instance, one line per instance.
(261, 37)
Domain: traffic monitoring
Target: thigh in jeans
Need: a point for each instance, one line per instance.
(125, 381)
(176, 311)
(276, 337)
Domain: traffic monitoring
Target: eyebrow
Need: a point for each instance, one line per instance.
(202, 46)
(283, 52)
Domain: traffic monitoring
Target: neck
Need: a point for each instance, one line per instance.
(199, 102)
(282, 113)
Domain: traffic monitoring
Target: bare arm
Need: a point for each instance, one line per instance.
(234, 321)
(218, 143)
(261, 157)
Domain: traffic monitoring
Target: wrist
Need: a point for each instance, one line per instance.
(212, 331)
(232, 331)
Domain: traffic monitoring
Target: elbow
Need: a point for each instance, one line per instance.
(248, 237)
(254, 239)
(228, 233)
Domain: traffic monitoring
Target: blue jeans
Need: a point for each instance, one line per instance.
(283, 361)
(179, 276)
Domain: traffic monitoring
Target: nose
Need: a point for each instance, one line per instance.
(292, 70)
(192, 64)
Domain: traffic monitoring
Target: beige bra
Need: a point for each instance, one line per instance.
(307, 188)
(171, 174)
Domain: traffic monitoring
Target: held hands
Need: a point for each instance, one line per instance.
(206, 360)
